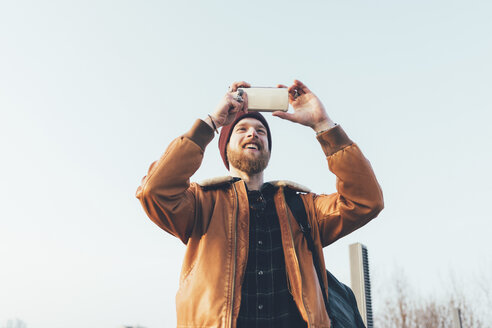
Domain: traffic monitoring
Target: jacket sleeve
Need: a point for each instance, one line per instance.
(165, 192)
(358, 198)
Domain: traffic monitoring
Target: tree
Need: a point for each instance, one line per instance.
(15, 323)
(402, 309)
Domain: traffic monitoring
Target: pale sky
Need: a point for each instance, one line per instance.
(91, 92)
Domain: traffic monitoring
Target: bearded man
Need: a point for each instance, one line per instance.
(247, 263)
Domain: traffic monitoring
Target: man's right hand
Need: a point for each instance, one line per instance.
(226, 110)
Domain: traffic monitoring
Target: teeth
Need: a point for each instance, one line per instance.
(251, 146)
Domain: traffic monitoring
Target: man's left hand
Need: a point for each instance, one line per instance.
(308, 109)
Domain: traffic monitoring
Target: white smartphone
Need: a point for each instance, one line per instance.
(267, 99)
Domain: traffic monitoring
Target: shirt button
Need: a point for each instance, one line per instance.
(260, 242)
(260, 306)
(260, 273)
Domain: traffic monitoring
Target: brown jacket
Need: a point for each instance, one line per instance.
(213, 220)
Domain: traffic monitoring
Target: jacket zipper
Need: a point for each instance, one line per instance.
(234, 255)
(295, 255)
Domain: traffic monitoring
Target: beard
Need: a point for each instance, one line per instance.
(248, 163)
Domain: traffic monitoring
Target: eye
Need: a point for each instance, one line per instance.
(240, 129)
(261, 131)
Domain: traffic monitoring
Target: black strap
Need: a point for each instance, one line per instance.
(341, 305)
(299, 211)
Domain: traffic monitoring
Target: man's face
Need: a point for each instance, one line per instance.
(247, 149)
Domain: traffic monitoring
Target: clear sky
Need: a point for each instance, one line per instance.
(91, 92)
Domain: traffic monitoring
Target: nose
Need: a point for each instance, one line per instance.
(252, 133)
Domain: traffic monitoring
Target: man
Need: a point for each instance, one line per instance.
(247, 263)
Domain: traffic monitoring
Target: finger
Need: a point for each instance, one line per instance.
(234, 96)
(245, 102)
(241, 84)
(293, 94)
(234, 106)
(290, 97)
(285, 116)
(231, 101)
(293, 89)
(301, 86)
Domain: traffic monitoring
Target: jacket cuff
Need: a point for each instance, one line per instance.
(200, 133)
(333, 140)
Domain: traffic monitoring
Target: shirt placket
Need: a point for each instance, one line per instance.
(263, 292)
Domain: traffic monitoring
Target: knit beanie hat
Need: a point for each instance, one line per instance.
(226, 131)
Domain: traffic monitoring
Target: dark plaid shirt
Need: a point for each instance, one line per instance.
(265, 299)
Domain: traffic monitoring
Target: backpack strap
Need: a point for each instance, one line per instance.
(343, 311)
(299, 211)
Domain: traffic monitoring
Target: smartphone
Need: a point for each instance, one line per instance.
(267, 99)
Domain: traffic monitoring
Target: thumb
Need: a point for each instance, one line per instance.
(285, 115)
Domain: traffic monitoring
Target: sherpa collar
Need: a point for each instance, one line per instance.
(220, 181)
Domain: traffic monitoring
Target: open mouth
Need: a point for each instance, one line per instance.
(252, 146)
